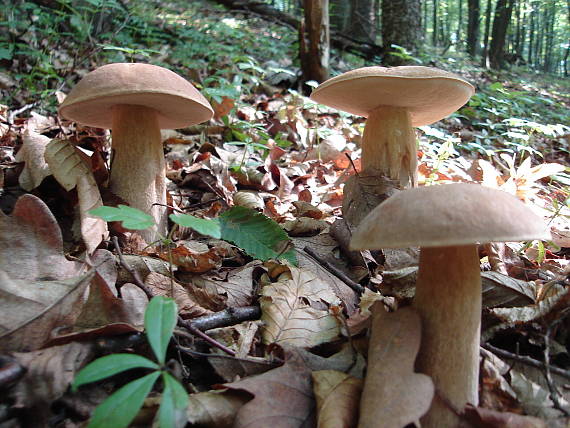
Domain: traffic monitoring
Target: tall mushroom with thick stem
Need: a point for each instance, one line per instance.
(447, 222)
(393, 100)
(136, 101)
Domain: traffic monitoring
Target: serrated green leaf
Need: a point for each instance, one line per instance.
(122, 406)
(131, 218)
(256, 234)
(201, 225)
(110, 365)
(159, 323)
(172, 411)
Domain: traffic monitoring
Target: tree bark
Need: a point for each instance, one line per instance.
(503, 12)
(401, 26)
(484, 57)
(361, 25)
(314, 38)
(474, 16)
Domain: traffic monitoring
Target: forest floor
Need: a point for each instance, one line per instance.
(286, 318)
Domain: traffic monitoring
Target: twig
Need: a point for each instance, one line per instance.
(554, 394)
(188, 326)
(356, 287)
(525, 360)
(225, 318)
(136, 278)
(352, 163)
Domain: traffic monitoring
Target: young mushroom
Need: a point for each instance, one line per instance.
(136, 101)
(447, 222)
(393, 100)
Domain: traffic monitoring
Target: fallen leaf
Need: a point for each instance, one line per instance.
(487, 418)
(283, 398)
(338, 397)
(393, 393)
(190, 258)
(502, 290)
(32, 153)
(287, 312)
(215, 409)
(70, 171)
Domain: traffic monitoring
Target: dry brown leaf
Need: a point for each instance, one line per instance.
(188, 258)
(32, 153)
(215, 409)
(393, 393)
(162, 285)
(487, 418)
(223, 108)
(338, 397)
(143, 265)
(70, 171)
(49, 374)
(283, 398)
(305, 226)
(502, 290)
(31, 310)
(287, 312)
(31, 246)
(249, 199)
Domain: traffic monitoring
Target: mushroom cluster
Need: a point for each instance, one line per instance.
(447, 222)
(136, 101)
(394, 100)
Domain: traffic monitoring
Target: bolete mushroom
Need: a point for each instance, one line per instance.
(393, 100)
(447, 222)
(136, 101)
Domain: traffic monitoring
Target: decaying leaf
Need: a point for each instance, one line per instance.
(162, 285)
(492, 419)
(70, 171)
(192, 258)
(283, 398)
(287, 312)
(502, 290)
(338, 397)
(393, 393)
(32, 153)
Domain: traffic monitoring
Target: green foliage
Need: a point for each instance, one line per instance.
(131, 218)
(256, 234)
(121, 407)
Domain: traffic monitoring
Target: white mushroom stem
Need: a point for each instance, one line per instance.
(448, 299)
(389, 145)
(138, 168)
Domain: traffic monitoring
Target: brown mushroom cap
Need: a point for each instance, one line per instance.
(177, 102)
(448, 215)
(429, 94)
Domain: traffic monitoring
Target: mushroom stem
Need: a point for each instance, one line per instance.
(448, 299)
(389, 145)
(138, 168)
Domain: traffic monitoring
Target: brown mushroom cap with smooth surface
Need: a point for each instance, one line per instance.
(447, 222)
(135, 101)
(394, 100)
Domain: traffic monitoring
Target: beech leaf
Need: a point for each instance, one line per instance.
(338, 396)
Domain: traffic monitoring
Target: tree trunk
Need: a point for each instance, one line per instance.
(339, 15)
(473, 27)
(314, 41)
(401, 26)
(361, 24)
(458, 37)
(434, 36)
(484, 62)
(501, 21)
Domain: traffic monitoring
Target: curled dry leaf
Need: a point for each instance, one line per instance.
(196, 260)
(32, 153)
(249, 199)
(338, 397)
(162, 285)
(70, 171)
(288, 314)
(393, 393)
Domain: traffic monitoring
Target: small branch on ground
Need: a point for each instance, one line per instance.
(356, 287)
(137, 279)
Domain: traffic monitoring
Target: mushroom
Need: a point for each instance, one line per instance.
(136, 101)
(447, 222)
(393, 100)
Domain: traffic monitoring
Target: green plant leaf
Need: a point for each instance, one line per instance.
(131, 218)
(110, 365)
(172, 411)
(121, 407)
(201, 225)
(256, 234)
(159, 323)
